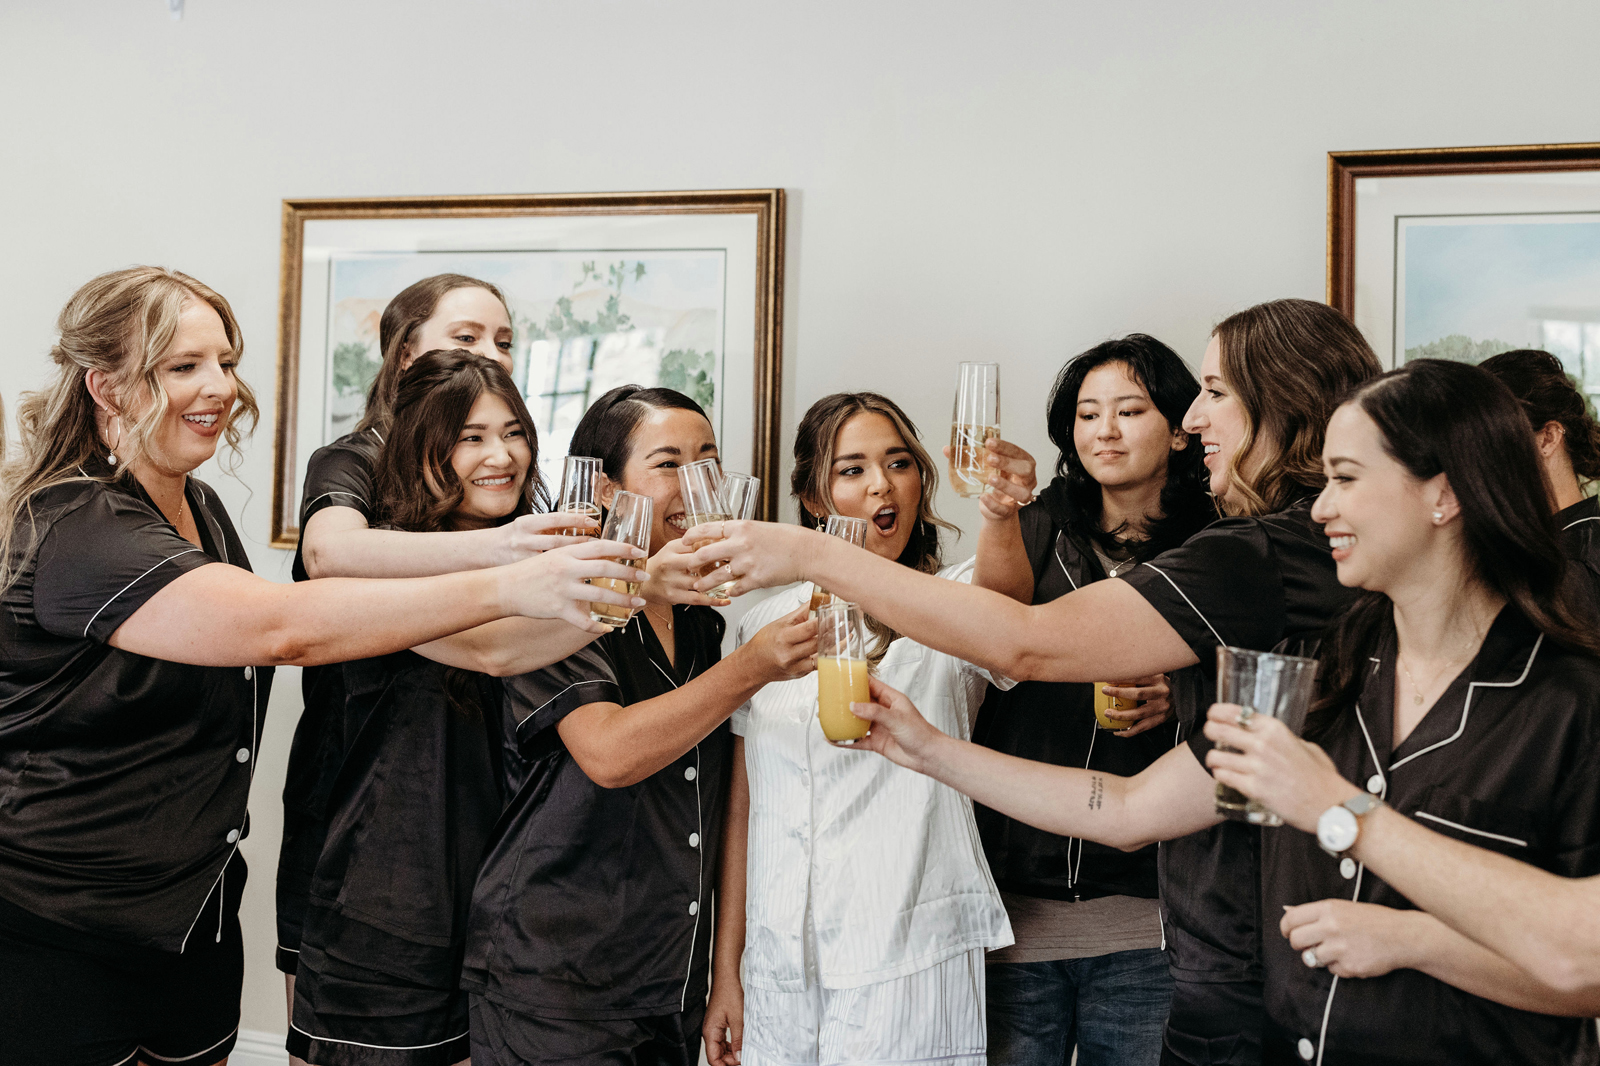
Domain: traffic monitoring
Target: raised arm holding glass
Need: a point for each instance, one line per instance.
(1270, 379)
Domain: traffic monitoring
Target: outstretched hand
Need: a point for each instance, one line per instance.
(531, 534)
(899, 732)
(1289, 776)
(553, 584)
(756, 555)
(673, 574)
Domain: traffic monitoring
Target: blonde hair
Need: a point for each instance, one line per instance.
(120, 324)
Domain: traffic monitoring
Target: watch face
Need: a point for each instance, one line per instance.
(1336, 829)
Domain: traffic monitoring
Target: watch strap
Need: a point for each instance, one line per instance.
(1365, 803)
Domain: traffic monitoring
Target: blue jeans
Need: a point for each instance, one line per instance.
(1113, 1008)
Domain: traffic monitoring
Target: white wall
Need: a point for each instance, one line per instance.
(1004, 180)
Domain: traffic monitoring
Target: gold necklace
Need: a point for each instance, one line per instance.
(658, 618)
(1416, 693)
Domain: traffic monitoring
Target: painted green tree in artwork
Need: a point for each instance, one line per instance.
(1458, 349)
(686, 370)
(353, 368)
(691, 373)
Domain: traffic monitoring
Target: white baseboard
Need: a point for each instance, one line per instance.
(256, 1048)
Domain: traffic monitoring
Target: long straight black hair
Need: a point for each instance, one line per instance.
(1186, 504)
(1440, 417)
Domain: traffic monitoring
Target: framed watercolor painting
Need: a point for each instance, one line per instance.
(1461, 253)
(679, 289)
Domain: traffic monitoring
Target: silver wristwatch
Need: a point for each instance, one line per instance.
(1339, 826)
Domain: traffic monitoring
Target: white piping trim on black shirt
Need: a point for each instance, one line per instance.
(1466, 705)
(1190, 602)
(130, 585)
(558, 695)
(335, 492)
(1580, 521)
(1469, 829)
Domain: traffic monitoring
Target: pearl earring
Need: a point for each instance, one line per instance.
(1438, 516)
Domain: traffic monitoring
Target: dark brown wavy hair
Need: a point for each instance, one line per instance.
(1288, 362)
(410, 308)
(1439, 417)
(417, 488)
(815, 442)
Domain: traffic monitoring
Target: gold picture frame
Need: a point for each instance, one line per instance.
(1391, 214)
(736, 234)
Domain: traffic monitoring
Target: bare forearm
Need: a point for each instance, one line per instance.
(1002, 563)
(619, 746)
(981, 626)
(1103, 631)
(1441, 952)
(363, 552)
(220, 615)
(1116, 811)
(1546, 924)
(508, 647)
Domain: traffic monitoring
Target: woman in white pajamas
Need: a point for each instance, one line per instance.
(870, 904)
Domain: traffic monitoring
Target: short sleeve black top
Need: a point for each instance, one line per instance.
(593, 902)
(1250, 583)
(123, 779)
(1054, 722)
(1507, 759)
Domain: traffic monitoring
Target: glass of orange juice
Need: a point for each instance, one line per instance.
(1104, 703)
(841, 671)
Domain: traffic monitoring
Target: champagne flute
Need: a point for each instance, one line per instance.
(580, 484)
(629, 523)
(975, 420)
(853, 530)
(740, 492)
(841, 672)
(700, 484)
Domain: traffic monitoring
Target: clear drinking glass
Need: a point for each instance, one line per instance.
(1264, 684)
(975, 420)
(740, 493)
(701, 485)
(628, 522)
(853, 530)
(580, 493)
(841, 672)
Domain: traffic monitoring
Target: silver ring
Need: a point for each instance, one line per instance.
(1309, 957)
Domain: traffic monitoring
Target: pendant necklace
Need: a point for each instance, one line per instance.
(658, 618)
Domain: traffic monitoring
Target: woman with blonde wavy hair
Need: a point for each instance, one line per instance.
(136, 654)
(1270, 379)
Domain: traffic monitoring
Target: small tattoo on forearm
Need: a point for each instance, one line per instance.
(1097, 792)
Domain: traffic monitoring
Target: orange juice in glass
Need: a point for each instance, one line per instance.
(841, 672)
(1104, 703)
